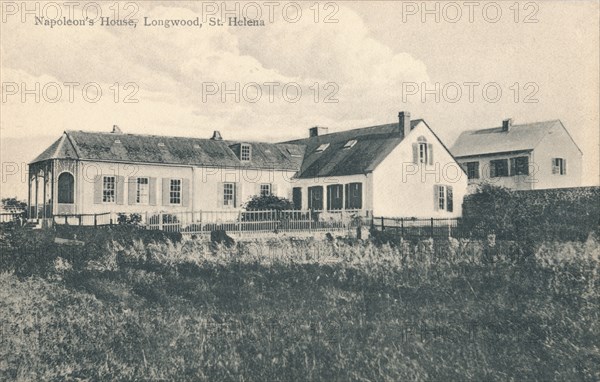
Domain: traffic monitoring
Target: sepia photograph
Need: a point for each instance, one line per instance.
(300, 190)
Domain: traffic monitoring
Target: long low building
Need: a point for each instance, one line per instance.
(395, 169)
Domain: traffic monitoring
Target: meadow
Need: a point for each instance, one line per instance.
(128, 308)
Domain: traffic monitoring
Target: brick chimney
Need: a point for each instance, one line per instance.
(506, 124)
(216, 136)
(404, 123)
(317, 130)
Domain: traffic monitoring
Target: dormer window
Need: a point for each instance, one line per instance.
(350, 144)
(322, 147)
(245, 152)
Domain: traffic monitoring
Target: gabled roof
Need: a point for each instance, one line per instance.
(135, 148)
(373, 144)
(488, 141)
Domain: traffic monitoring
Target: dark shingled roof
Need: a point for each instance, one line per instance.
(488, 141)
(373, 144)
(134, 148)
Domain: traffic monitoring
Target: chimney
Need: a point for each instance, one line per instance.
(506, 124)
(404, 123)
(116, 130)
(217, 136)
(316, 131)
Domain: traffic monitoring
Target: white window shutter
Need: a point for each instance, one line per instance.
(185, 192)
(415, 147)
(436, 197)
(152, 191)
(430, 153)
(554, 167)
(120, 188)
(166, 189)
(98, 189)
(131, 190)
(220, 191)
(564, 166)
(273, 189)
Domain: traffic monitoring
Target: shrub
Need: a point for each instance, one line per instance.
(269, 202)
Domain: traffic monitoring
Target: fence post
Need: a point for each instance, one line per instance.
(402, 227)
(382, 225)
(431, 227)
(95, 220)
(66, 221)
(80, 219)
(160, 221)
(240, 223)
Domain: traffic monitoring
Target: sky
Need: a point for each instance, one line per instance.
(336, 64)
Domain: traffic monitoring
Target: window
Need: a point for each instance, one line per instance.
(66, 188)
(473, 170)
(297, 198)
(335, 197)
(315, 198)
(322, 147)
(108, 189)
(559, 166)
(245, 152)
(498, 168)
(443, 198)
(354, 196)
(519, 166)
(141, 191)
(229, 194)
(175, 191)
(265, 189)
(350, 144)
(422, 152)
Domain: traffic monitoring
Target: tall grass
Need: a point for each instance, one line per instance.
(270, 310)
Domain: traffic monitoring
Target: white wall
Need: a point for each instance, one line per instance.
(557, 144)
(403, 189)
(515, 182)
(365, 179)
(203, 192)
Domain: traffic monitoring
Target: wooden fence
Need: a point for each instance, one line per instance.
(418, 228)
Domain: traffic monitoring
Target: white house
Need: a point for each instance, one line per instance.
(397, 169)
(522, 157)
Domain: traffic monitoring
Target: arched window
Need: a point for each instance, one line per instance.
(66, 188)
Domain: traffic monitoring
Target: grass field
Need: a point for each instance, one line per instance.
(284, 310)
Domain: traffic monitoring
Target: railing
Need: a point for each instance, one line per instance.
(7, 217)
(106, 218)
(419, 227)
(252, 221)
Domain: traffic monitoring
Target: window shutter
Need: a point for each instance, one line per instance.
(273, 189)
(347, 203)
(554, 167)
(436, 197)
(152, 191)
(564, 166)
(120, 188)
(513, 167)
(220, 190)
(449, 199)
(415, 153)
(185, 192)
(131, 190)
(358, 198)
(166, 188)
(257, 189)
(492, 169)
(430, 153)
(98, 189)
(237, 194)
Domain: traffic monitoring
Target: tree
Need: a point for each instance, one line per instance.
(269, 202)
(13, 203)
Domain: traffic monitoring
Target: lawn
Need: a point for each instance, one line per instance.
(285, 310)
